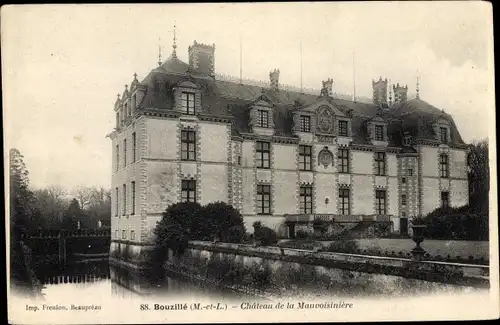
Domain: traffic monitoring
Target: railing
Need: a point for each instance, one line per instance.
(305, 218)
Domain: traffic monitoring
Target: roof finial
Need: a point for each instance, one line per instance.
(418, 89)
(135, 75)
(174, 45)
(159, 51)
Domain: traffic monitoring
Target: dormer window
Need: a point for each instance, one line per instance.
(407, 140)
(305, 123)
(262, 118)
(343, 128)
(379, 132)
(444, 134)
(187, 103)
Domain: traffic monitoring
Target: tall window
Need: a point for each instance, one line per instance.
(444, 135)
(305, 157)
(410, 172)
(343, 160)
(263, 199)
(403, 199)
(117, 206)
(380, 201)
(379, 132)
(124, 234)
(343, 128)
(188, 190)
(305, 123)
(344, 201)
(188, 145)
(380, 163)
(117, 157)
(262, 119)
(134, 147)
(263, 154)
(116, 234)
(187, 103)
(306, 199)
(132, 234)
(132, 187)
(443, 165)
(125, 152)
(124, 199)
(445, 200)
(117, 119)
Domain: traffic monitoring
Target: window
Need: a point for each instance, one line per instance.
(409, 172)
(379, 132)
(407, 140)
(239, 160)
(305, 157)
(306, 199)
(403, 180)
(132, 187)
(134, 147)
(132, 234)
(343, 160)
(305, 123)
(187, 103)
(124, 234)
(403, 214)
(443, 165)
(263, 199)
(124, 199)
(117, 119)
(262, 119)
(445, 200)
(188, 145)
(117, 157)
(403, 199)
(117, 203)
(125, 152)
(263, 153)
(343, 128)
(380, 201)
(188, 191)
(444, 135)
(380, 163)
(116, 234)
(344, 202)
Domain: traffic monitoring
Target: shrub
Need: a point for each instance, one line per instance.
(302, 234)
(221, 220)
(343, 246)
(456, 224)
(180, 222)
(265, 235)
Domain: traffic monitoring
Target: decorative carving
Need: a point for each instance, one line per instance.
(325, 157)
(325, 120)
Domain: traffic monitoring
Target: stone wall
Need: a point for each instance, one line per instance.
(244, 265)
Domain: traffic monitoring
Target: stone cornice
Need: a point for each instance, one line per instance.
(214, 118)
(270, 138)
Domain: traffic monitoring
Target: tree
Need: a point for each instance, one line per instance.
(99, 207)
(51, 205)
(85, 194)
(479, 177)
(22, 219)
(73, 215)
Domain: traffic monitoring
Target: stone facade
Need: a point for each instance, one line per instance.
(226, 164)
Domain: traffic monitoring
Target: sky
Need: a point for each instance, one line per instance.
(63, 65)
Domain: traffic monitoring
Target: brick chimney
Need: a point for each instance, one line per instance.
(202, 58)
(327, 89)
(274, 79)
(379, 91)
(400, 93)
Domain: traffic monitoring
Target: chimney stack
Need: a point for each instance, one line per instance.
(274, 78)
(379, 91)
(202, 58)
(327, 89)
(400, 93)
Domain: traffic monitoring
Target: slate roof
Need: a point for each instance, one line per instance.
(225, 98)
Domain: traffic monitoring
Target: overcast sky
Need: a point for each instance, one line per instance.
(64, 64)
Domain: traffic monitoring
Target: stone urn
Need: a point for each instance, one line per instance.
(418, 237)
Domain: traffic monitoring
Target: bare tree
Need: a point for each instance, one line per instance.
(84, 195)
